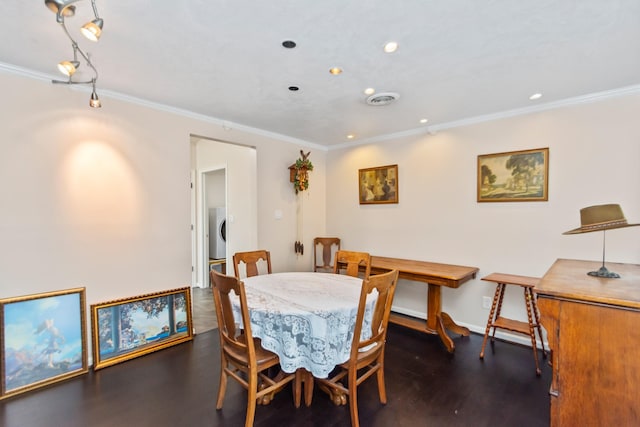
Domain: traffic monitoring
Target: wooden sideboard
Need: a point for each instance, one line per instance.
(593, 328)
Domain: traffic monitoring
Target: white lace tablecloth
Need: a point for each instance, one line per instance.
(307, 319)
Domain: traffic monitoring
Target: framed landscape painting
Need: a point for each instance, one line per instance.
(378, 185)
(132, 327)
(516, 176)
(43, 339)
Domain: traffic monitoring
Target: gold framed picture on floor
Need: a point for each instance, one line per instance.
(132, 327)
(43, 339)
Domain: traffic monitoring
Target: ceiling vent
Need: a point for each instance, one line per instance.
(383, 98)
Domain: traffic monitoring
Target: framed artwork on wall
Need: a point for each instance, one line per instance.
(43, 339)
(378, 185)
(516, 176)
(132, 327)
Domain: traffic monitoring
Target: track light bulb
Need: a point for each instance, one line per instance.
(92, 30)
(94, 102)
(68, 68)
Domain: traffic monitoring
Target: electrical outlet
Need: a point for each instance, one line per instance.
(486, 302)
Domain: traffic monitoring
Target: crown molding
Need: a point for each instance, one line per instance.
(225, 124)
(433, 129)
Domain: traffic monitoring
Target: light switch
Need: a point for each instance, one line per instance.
(277, 214)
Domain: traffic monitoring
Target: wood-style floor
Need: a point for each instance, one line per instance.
(177, 386)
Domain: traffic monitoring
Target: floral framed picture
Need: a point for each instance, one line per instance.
(516, 176)
(43, 339)
(378, 185)
(132, 327)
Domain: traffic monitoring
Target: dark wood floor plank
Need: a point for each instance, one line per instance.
(177, 387)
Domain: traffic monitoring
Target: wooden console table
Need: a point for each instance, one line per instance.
(592, 328)
(434, 275)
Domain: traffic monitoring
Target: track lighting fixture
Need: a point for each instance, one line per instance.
(91, 30)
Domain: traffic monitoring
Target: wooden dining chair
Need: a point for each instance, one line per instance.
(250, 260)
(323, 250)
(242, 359)
(351, 261)
(367, 356)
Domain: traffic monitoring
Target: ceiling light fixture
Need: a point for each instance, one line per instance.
(390, 47)
(424, 120)
(535, 96)
(335, 70)
(91, 30)
(369, 91)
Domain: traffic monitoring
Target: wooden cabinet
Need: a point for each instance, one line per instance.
(593, 328)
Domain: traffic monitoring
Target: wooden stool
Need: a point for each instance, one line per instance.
(496, 321)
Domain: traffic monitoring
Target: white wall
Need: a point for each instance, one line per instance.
(594, 159)
(101, 198)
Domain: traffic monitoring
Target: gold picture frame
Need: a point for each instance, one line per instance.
(132, 327)
(378, 185)
(43, 340)
(515, 176)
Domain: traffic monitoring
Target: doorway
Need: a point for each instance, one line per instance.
(224, 174)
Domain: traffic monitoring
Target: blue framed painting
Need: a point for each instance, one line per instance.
(132, 327)
(43, 339)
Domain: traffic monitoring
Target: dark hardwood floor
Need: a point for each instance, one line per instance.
(177, 386)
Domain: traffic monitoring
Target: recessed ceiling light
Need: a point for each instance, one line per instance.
(535, 96)
(293, 88)
(391, 47)
(335, 70)
(351, 136)
(289, 44)
(424, 120)
(369, 91)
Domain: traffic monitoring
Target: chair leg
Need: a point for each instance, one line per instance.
(382, 391)
(353, 397)
(251, 399)
(222, 388)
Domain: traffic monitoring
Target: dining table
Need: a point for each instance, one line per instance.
(307, 319)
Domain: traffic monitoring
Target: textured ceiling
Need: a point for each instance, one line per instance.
(224, 59)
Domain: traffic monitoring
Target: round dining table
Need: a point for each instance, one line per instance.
(306, 318)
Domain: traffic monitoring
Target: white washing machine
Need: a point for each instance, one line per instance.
(217, 233)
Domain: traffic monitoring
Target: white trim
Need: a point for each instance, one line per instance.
(577, 100)
(431, 130)
(225, 124)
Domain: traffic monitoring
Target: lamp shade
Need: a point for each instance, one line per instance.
(92, 30)
(68, 68)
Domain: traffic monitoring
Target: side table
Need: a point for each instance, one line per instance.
(496, 321)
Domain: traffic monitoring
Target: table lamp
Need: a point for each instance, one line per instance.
(601, 218)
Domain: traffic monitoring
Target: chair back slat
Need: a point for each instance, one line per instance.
(230, 334)
(323, 258)
(250, 260)
(385, 285)
(351, 261)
